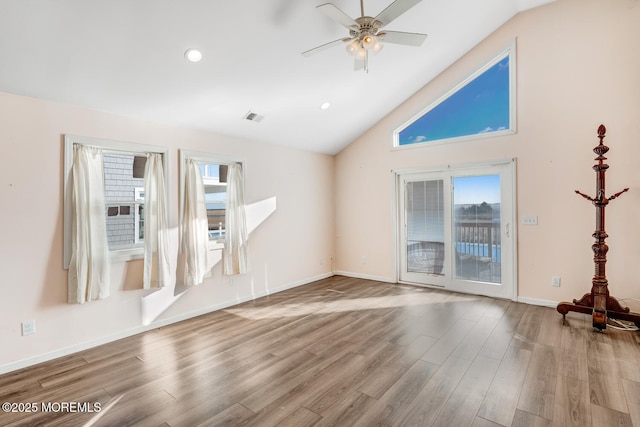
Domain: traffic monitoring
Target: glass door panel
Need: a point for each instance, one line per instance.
(477, 228)
(425, 227)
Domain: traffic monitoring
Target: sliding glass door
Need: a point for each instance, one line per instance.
(456, 229)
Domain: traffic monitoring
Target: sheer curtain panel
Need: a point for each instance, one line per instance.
(194, 244)
(89, 267)
(234, 254)
(156, 228)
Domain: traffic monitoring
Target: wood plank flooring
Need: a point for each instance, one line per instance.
(347, 352)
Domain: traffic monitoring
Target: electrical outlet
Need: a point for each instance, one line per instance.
(555, 281)
(321, 261)
(28, 327)
(530, 220)
(363, 260)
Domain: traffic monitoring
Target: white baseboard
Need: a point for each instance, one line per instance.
(525, 300)
(535, 301)
(365, 276)
(40, 358)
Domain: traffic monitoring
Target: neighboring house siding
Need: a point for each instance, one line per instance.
(120, 186)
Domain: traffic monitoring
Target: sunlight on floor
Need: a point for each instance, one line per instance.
(342, 305)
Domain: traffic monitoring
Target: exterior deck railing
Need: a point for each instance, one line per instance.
(479, 238)
(478, 251)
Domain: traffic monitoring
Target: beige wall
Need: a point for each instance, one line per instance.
(578, 65)
(285, 249)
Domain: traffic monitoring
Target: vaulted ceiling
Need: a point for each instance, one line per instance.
(127, 57)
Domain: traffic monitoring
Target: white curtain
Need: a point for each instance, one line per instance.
(89, 267)
(156, 228)
(234, 254)
(194, 244)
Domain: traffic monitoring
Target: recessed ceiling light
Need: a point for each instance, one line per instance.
(325, 105)
(193, 55)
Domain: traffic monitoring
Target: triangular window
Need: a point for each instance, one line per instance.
(482, 105)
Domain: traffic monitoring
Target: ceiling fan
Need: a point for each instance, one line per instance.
(364, 32)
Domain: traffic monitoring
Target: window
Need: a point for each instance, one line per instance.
(214, 178)
(211, 199)
(124, 198)
(213, 169)
(124, 165)
(482, 105)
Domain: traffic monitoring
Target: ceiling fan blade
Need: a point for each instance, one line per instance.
(325, 46)
(399, 37)
(337, 15)
(394, 10)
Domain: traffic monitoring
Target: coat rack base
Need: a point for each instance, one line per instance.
(613, 310)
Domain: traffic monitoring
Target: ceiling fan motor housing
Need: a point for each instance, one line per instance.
(366, 26)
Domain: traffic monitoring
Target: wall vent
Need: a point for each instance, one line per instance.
(253, 117)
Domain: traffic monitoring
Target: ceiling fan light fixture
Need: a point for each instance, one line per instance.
(353, 47)
(368, 41)
(377, 47)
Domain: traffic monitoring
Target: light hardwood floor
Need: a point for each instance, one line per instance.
(349, 352)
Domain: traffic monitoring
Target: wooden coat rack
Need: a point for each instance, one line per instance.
(598, 302)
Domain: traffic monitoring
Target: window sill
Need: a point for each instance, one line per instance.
(216, 245)
(129, 254)
(132, 254)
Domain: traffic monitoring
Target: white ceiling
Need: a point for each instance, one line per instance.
(126, 57)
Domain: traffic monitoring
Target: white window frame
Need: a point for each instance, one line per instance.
(508, 52)
(117, 255)
(203, 157)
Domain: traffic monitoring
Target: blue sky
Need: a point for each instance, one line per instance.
(480, 106)
(476, 189)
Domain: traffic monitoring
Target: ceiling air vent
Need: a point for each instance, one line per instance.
(253, 117)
